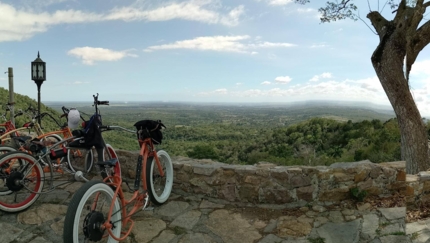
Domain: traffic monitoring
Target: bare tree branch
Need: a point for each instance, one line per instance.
(358, 17)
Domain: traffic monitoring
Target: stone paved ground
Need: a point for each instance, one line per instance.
(190, 218)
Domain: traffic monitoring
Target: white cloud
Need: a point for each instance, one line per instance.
(348, 90)
(221, 91)
(215, 43)
(316, 78)
(306, 10)
(201, 11)
(89, 55)
(279, 2)
(21, 24)
(318, 46)
(271, 44)
(283, 80)
(214, 92)
(219, 43)
(265, 83)
(232, 19)
(421, 68)
(79, 82)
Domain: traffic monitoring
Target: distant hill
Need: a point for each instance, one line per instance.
(23, 102)
(274, 113)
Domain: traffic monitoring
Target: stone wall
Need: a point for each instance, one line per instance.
(418, 189)
(295, 185)
(266, 183)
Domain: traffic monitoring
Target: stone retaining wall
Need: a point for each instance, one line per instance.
(418, 189)
(266, 183)
(271, 184)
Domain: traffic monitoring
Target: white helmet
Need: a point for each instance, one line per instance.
(73, 118)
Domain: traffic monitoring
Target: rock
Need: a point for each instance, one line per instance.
(145, 230)
(187, 220)
(291, 226)
(232, 228)
(42, 213)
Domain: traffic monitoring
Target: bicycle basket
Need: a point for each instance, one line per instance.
(150, 129)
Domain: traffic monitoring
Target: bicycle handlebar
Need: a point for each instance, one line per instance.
(42, 115)
(20, 113)
(103, 102)
(107, 128)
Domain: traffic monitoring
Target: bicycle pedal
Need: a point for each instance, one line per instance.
(148, 209)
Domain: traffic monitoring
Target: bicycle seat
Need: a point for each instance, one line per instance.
(21, 139)
(110, 163)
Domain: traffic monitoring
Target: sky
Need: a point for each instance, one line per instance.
(195, 51)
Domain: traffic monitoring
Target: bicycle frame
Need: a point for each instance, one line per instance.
(10, 127)
(141, 199)
(6, 136)
(41, 160)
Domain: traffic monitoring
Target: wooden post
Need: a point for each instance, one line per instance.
(11, 95)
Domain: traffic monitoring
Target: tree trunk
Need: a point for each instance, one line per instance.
(388, 62)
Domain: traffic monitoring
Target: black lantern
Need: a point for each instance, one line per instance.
(38, 75)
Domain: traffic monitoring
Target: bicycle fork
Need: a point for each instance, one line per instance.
(137, 180)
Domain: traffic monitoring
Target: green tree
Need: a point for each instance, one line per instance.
(401, 39)
(204, 151)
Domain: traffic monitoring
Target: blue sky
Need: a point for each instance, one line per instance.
(195, 50)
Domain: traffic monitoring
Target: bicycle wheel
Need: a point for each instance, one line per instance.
(88, 210)
(159, 187)
(80, 159)
(4, 149)
(21, 180)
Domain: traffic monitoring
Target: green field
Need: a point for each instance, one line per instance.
(248, 133)
(307, 133)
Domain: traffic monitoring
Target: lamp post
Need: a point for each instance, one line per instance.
(38, 75)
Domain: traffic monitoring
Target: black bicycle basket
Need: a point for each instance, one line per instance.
(150, 129)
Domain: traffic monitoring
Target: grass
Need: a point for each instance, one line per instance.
(316, 240)
(414, 236)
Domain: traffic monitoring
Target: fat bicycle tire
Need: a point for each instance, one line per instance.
(73, 231)
(4, 149)
(159, 188)
(19, 167)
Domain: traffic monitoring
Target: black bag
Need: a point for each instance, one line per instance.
(91, 134)
(33, 145)
(58, 153)
(150, 129)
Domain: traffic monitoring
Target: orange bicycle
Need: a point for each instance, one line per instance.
(25, 176)
(99, 211)
(7, 128)
(77, 159)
